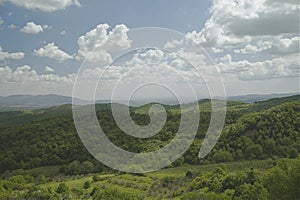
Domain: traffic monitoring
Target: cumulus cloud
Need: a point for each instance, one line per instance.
(267, 69)
(99, 44)
(12, 26)
(247, 49)
(33, 28)
(277, 46)
(280, 46)
(47, 27)
(63, 32)
(50, 50)
(238, 22)
(157, 65)
(47, 6)
(1, 21)
(5, 55)
(267, 27)
(26, 80)
(49, 69)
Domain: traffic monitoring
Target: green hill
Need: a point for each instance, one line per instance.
(266, 129)
(41, 156)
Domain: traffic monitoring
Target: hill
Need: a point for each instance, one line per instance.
(30, 102)
(41, 156)
(43, 137)
(251, 98)
(34, 100)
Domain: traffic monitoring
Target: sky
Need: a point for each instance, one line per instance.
(253, 46)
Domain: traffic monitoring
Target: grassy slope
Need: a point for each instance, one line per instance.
(149, 185)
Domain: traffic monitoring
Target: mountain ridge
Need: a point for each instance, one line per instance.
(27, 101)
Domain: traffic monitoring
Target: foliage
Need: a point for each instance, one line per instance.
(42, 157)
(223, 182)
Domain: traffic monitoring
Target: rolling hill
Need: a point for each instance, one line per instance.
(48, 136)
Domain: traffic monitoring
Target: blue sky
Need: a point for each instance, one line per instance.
(178, 15)
(241, 36)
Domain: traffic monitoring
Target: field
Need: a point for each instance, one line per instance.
(169, 183)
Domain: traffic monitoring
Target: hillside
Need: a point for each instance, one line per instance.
(30, 102)
(41, 156)
(44, 137)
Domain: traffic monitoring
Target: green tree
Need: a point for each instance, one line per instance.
(87, 184)
(253, 152)
(222, 156)
(250, 192)
(62, 189)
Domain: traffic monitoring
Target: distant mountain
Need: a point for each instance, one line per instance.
(21, 102)
(34, 100)
(251, 98)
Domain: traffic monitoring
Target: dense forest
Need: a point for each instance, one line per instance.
(266, 132)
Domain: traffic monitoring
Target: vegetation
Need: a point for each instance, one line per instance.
(268, 180)
(42, 157)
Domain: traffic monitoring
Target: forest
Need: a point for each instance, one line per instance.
(256, 157)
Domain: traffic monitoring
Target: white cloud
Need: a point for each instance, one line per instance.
(248, 49)
(53, 52)
(33, 28)
(153, 56)
(12, 26)
(63, 32)
(143, 67)
(276, 46)
(216, 50)
(46, 27)
(1, 21)
(281, 46)
(268, 29)
(5, 55)
(99, 44)
(47, 6)
(49, 69)
(267, 69)
(237, 22)
(25, 80)
(157, 65)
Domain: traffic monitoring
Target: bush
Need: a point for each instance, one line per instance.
(62, 188)
(222, 156)
(96, 178)
(253, 152)
(189, 174)
(87, 184)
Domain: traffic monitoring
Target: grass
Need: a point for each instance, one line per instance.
(230, 166)
(144, 185)
(163, 184)
(53, 171)
(76, 183)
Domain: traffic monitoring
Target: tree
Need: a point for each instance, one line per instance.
(87, 167)
(62, 189)
(74, 168)
(87, 184)
(253, 152)
(250, 192)
(189, 174)
(293, 153)
(222, 156)
(283, 181)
